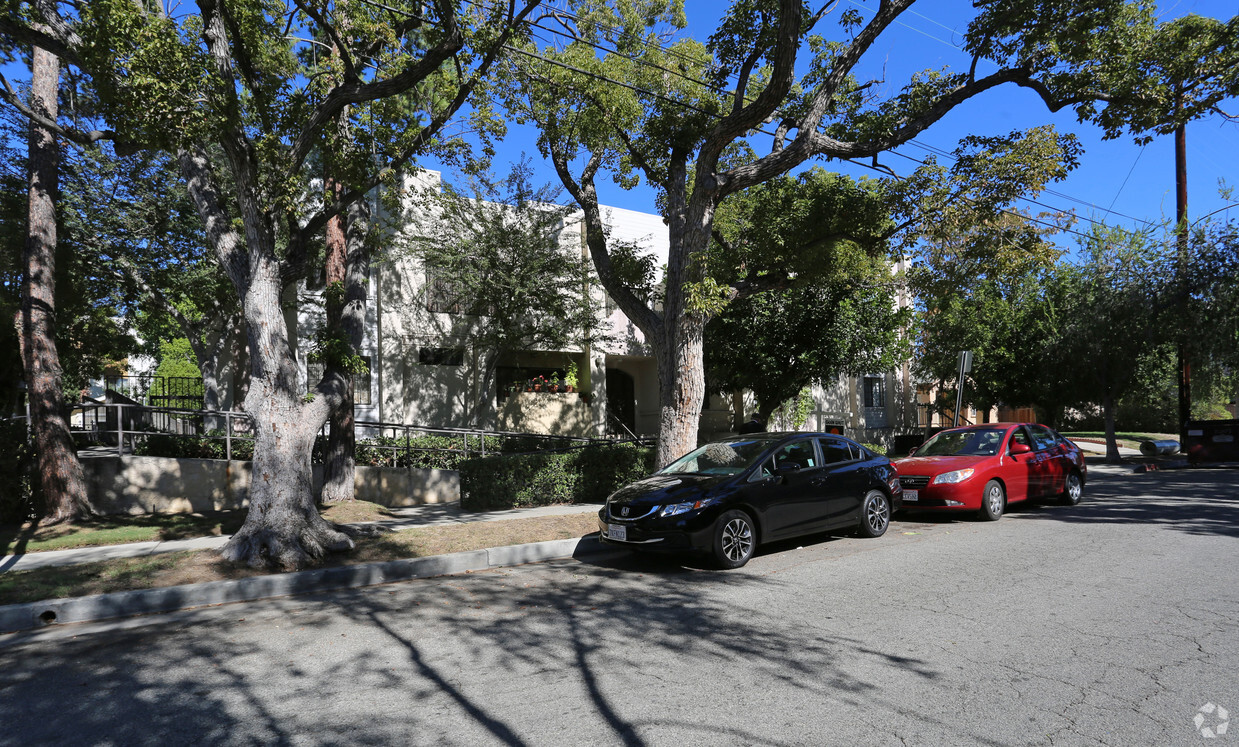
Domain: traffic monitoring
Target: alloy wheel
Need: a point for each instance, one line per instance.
(737, 539)
(877, 514)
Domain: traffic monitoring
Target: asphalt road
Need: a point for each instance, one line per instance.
(1113, 622)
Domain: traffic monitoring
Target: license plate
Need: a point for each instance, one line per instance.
(617, 532)
(911, 495)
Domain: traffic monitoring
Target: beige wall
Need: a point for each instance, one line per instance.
(540, 412)
(139, 485)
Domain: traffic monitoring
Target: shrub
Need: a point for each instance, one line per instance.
(512, 480)
(604, 469)
(421, 452)
(586, 475)
(878, 449)
(19, 501)
(210, 446)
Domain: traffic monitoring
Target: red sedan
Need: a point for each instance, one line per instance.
(984, 467)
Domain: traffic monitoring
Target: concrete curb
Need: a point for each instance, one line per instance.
(18, 617)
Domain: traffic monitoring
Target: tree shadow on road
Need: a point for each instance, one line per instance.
(1195, 501)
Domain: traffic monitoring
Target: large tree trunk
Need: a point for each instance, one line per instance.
(1112, 444)
(338, 460)
(60, 472)
(282, 528)
(681, 390)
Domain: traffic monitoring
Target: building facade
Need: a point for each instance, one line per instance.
(426, 371)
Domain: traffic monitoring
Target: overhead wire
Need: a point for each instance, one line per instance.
(644, 41)
(717, 89)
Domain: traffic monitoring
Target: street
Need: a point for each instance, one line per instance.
(1113, 622)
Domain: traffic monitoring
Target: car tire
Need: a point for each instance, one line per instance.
(1073, 489)
(735, 539)
(875, 514)
(993, 501)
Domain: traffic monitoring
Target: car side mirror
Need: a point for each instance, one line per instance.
(1020, 449)
(912, 451)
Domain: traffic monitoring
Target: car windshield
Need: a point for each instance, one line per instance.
(972, 442)
(721, 458)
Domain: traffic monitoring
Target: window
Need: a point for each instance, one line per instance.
(799, 454)
(442, 294)
(873, 390)
(1021, 437)
(1043, 438)
(361, 381)
(834, 451)
(441, 356)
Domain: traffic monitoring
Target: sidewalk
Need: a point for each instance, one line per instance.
(409, 518)
(15, 618)
(1099, 447)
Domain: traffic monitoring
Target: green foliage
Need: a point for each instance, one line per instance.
(211, 446)
(505, 257)
(513, 481)
(176, 359)
(90, 306)
(839, 315)
(604, 469)
(422, 452)
(990, 288)
(333, 350)
(19, 501)
(792, 414)
(586, 475)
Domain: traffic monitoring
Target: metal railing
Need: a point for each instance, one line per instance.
(128, 427)
(181, 392)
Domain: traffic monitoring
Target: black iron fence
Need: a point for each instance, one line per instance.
(179, 392)
(129, 428)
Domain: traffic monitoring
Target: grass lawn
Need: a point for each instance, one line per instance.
(120, 530)
(172, 569)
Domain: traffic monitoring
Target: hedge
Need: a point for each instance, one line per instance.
(585, 475)
(19, 499)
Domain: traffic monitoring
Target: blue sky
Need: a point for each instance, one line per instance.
(1117, 181)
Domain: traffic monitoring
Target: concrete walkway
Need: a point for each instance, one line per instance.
(1099, 447)
(407, 518)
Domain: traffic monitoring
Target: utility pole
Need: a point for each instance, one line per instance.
(1184, 367)
(965, 365)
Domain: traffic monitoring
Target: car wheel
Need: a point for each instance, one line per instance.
(1073, 489)
(734, 539)
(993, 501)
(875, 514)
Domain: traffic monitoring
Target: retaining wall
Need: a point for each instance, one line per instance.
(140, 485)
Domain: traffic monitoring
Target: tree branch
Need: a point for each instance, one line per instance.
(350, 71)
(73, 134)
(357, 92)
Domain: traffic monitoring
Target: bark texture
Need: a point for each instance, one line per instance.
(60, 472)
(338, 460)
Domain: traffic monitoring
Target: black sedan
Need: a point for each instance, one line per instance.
(727, 497)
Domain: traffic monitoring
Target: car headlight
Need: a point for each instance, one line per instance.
(683, 508)
(958, 475)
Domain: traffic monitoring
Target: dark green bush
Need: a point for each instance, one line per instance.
(19, 500)
(603, 469)
(512, 480)
(421, 452)
(210, 446)
(585, 475)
